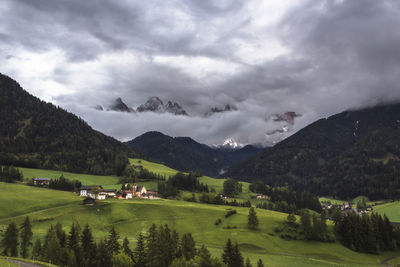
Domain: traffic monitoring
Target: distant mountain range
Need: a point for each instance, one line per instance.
(37, 134)
(153, 104)
(185, 154)
(346, 155)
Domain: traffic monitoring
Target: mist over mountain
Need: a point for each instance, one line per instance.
(352, 153)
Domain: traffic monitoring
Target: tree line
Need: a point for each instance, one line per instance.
(285, 199)
(160, 247)
(61, 183)
(181, 181)
(366, 233)
(10, 174)
(310, 227)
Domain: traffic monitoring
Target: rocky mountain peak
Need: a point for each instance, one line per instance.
(226, 108)
(119, 105)
(152, 104)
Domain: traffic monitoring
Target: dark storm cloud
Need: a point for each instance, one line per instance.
(332, 55)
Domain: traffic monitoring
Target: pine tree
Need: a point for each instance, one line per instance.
(62, 237)
(188, 246)
(103, 257)
(305, 225)
(167, 249)
(152, 248)
(237, 258)
(37, 250)
(252, 219)
(204, 257)
(139, 253)
(73, 241)
(88, 246)
(228, 253)
(125, 247)
(26, 237)
(260, 263)
(74, 236)
(112, 241)
(52, 248)
(10, 241)
(248, 264)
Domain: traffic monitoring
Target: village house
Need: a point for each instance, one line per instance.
(110, 192)
(84, 190)
(139, 191)
(41, 181)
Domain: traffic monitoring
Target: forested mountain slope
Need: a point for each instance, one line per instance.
(185, 154)
(34, 133)
(349, 154)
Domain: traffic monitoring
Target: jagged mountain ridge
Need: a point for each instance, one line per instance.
(185, 154)
(349, 154)
(153, 104)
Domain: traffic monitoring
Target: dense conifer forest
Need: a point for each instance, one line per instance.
(349, 154)
(37, 134)
(159, 247)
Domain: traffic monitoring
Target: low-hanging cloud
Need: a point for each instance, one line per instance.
(313, 57)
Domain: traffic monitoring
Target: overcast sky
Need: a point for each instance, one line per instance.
(316, 58)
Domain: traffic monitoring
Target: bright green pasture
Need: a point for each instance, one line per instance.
(154, 167)
(216, 184)
(85, 179)
(130, 217)
(17, 199)
(391, 209)
(332, 200)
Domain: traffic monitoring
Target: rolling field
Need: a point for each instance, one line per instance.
(216, 184)
(391, 209)
(130, 217)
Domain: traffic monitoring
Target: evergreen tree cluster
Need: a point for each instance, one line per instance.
(232, 187)
(366, 233)
(180, 181)
(346, 155)
(10, 174)
(159, 247)
(62, 184)
(131, 174)
(285, 199)
(213, 198)
(310, 227)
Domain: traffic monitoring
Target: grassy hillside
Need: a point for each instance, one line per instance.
(217, 184)
(130, 217)
(391, 209)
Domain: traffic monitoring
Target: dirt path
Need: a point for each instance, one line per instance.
(386, 262)
(23, 264)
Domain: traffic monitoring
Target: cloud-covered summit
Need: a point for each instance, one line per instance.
(312, 57)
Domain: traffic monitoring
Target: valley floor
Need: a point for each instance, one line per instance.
(130, 217)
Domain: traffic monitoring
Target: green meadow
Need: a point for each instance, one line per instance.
(391, 209)
(130, 217)
(46, 207)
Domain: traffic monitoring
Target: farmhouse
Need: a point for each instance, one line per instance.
(84, 190)
(41, 181)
